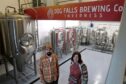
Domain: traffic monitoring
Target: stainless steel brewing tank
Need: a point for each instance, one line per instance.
(4, 37)
(22, 32)
(19, 38)
(1, 38)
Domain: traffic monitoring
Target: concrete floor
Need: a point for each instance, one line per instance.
(97, 64)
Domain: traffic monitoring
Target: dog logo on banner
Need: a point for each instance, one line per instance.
(50, 13)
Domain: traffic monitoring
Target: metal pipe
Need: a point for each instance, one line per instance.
(15, 71)
(21, 10)
(37, 36)
(64, 1)
(19, 6)
(29, 3)
(7, 9)
(25, 4)
(37, 3)
(15, 39)
(35, 67)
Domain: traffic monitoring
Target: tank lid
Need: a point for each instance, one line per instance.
(14, 16)
(17, 16)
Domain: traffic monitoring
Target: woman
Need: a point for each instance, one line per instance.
(78, 70)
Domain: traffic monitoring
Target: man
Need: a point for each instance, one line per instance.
(49, 69)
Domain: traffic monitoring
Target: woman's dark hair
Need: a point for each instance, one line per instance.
(79, 57)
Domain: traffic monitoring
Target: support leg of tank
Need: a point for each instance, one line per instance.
(6, 66)
(15, 71)
(35, 68)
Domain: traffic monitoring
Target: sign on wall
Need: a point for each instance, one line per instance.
(107, 10)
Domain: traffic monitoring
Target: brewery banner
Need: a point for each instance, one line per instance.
(106, 10)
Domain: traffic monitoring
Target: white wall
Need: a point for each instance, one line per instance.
(14, 3)
(5, 3)
(117, 68)
(72, 1)
(50, 2)
(45, 26)
(72, 23)
(89, 0)
(107, 24)
(67, 2)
